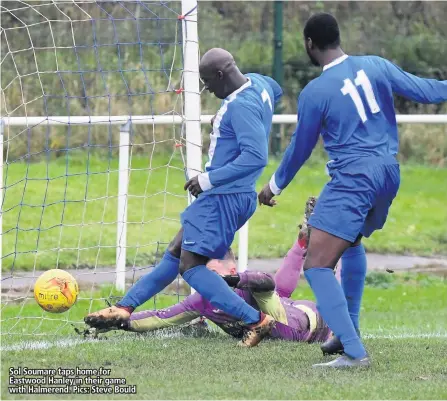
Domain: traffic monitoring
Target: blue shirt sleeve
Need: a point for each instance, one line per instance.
(277, 90)
(252, 140)
(421, 90)
(302, 143)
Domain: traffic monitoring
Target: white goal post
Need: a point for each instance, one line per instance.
(192, 121)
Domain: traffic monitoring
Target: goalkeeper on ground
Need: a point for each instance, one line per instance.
(296, 320)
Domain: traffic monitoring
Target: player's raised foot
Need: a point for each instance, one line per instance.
(346, 362)
(333, 346)
(108, 318)
(256, 332)
(304, 233)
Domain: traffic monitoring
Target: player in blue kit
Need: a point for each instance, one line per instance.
(351, 105)
(226, 197)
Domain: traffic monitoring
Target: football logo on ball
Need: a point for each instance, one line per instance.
(56, 291)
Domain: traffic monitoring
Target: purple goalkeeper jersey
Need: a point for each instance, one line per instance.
(296, 320)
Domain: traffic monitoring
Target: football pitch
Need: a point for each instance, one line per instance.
(75, 212)
(404, 326)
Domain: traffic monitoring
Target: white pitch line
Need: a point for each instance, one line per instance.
(404, 336)
(73, 342)
(38, 345)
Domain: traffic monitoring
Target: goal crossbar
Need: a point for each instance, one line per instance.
(178, 119)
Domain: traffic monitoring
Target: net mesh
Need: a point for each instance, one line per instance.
(90, 60)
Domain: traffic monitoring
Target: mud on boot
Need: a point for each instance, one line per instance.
(255, 333)
(333, 346)
(111, 318)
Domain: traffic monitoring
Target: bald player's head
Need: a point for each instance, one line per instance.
(219, 72)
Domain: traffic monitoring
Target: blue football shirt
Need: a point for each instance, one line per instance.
(238, 149)
(351, 105)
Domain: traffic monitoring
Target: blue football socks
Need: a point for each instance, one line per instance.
(152, 283)
(353, 273)
(214, 288)
(332, 305)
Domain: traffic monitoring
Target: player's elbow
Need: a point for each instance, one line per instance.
(254, 159)
(256, 281)
(263, 159)
(269, 282)
(426, 98)
(258, 161)
(263, 162)
(436, 99)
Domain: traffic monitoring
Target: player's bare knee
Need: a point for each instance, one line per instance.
(175, 249)
(175, 246)
(189, 260)
(324, 250)
(318, 260)
(183, 266)
(185, 262)
(317, 257)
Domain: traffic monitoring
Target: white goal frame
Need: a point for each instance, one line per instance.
(192, 121)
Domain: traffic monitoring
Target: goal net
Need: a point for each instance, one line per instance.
(100, 125)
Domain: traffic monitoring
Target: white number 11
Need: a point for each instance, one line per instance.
(349, 89)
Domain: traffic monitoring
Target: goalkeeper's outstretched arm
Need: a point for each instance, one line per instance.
(175, 315)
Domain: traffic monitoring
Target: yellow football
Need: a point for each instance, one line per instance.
(56, 291)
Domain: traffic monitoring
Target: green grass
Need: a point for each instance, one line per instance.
(406, 366)
(416, 223)
(216, 369)
(68, 212)
(25, 317)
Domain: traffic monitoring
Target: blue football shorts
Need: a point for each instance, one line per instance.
(356, 200)
(211, 221)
